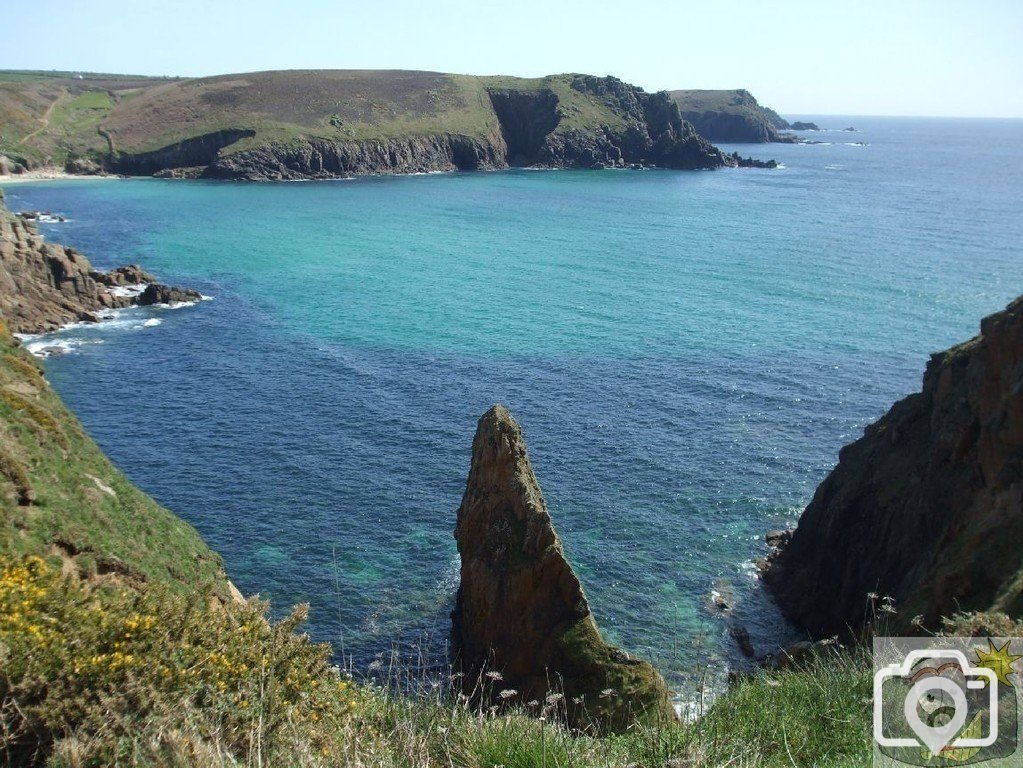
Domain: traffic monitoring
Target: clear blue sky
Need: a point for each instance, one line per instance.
(891, 57)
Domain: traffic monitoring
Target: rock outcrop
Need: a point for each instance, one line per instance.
(803, 126)
(326, 159)
(648, 131)
(923, 515)
(521, 613)
(44, 286)
(732, 117)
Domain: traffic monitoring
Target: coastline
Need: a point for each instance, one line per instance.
(51, 174)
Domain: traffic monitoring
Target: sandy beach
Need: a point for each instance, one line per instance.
(49, 174)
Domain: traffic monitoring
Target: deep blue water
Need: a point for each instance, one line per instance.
(686, 352)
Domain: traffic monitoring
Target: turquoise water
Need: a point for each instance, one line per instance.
(686, 352)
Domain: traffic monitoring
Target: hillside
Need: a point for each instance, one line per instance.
(61, 499)
(731, 116)
(327, 123)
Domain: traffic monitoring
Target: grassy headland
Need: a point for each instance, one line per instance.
(137, 125)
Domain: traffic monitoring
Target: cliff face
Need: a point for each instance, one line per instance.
(44, 286)
(927, 507)
(331, 123)
(321, 158)
(731, 116)
(643, 129)
(521, 611)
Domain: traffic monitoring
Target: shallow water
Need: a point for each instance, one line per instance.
(686, 353)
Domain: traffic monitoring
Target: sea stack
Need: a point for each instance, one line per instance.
(923, 516)
(521, 613)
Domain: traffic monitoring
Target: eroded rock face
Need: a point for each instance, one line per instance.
(521, 611)
(927, 507)
(44, 286)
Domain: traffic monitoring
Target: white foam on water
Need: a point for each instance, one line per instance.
(48, 344)
(128, 291)
(152, 322)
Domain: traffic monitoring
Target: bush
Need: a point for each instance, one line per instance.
(109, 665)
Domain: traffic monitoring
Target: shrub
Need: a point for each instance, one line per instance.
(109, 664)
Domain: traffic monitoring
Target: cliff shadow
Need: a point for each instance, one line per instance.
(526, 118)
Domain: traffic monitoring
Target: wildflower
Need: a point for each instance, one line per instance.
(495, 675)
(508, 693)
(607, 693)
(918, 620)
(554, 698)
(872, 595)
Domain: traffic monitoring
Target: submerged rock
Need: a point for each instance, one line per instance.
(157, 293)
(923, 516)
(521, 613)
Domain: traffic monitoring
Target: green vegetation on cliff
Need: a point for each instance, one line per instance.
(731, 116)
(313, 123)
(62, 499)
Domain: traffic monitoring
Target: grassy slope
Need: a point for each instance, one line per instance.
(729, 102)
(81, 511)
(142, 115)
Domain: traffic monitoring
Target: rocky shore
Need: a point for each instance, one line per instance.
(44, 286)
(923, 516)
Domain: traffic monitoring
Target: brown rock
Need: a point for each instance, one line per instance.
(521, 611)
(157, 293)
(44, 286)
(923, 516)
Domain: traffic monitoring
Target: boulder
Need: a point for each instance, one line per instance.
(132, 274)
(157, 293)
(522, 622)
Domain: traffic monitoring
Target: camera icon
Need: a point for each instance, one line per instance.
(944, 702)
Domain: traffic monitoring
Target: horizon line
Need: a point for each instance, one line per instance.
(791, 112)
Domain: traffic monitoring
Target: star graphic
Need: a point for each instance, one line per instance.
(998, 660)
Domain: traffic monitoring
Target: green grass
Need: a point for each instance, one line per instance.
(83, 507)
(96, 674)
(146, 114)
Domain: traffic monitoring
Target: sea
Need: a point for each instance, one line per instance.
(686, 353)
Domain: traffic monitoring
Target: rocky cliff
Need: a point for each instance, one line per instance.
(332, 123)
(521, 613)
(532, 129)
(927, 507)
(731, 117)
(44, 286)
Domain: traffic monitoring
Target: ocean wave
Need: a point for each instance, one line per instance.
(128, 291)
(48, 344)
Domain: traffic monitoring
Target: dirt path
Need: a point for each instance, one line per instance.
(46, 117)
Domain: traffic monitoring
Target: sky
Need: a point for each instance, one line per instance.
(864, 57)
